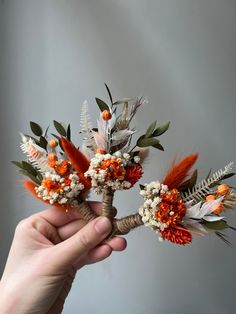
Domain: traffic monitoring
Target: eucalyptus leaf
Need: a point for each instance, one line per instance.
(209, 174)
(46, 132)
(109, 93)
(17, 163)
(193, 179)
(59, 127)
(122, 101)
(68, 133)
(101, 104)
(146, 142)
(227, 176)
(150, 129)
(158, 146)
(216, 225)
(29, 168)
(36, 128)
(161, 129)
(27, 174)
(43, 142)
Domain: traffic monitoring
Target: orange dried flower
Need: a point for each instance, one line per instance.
(171, 209)
(52, 160)
(218, 208)
(133, 174)
(116, 171)
(48, 184)
(210, 198)
(63, 168)
(222, 189)
(177, 234)
(100, 151)
(52, 143)
(106, 115)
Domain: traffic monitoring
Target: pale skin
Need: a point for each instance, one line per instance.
(47, 250)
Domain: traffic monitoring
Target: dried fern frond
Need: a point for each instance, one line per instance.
(229, 200)
(37, 157)
(200, 190)
(88, 145)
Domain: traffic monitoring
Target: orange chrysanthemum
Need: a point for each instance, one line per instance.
(177, 234)
(116, 171)
(63, 168)
(171, 209)
(51, 185)
(133, 174)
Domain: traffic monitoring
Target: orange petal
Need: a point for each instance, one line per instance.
(79, 161)
(179, 172)
(30, 186)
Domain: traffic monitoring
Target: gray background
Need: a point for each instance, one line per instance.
(181, 55)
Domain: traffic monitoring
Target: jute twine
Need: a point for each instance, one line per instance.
(86, 212)
(107, 200)
(125, 224)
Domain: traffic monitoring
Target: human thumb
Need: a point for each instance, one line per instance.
(68, 251)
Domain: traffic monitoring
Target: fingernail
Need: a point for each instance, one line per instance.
(103, 225)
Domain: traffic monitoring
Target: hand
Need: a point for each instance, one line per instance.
(47, 250)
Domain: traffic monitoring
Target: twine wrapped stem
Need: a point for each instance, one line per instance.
(107, 200)
(125, 224)
(86, 212)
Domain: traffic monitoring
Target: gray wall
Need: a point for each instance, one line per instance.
(181, 54)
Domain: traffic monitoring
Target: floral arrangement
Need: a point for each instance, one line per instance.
(176, 208)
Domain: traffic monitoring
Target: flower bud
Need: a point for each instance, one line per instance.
(218, 208)
(52, 143)
(106, 115)
(222, 189)
(210, 198)
(100, 151)
(52, 157)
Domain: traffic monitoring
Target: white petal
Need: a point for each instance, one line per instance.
(208, 207)
(194, 211)
(213, 218)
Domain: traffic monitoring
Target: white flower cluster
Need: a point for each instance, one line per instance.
(152, 195)
(65, 194)
(99, 176)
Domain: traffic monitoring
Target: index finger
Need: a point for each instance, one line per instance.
(59, 216)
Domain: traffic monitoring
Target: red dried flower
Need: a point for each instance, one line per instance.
(133, 174)
(177, 234)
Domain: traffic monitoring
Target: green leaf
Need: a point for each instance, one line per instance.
(189, 184)
(17, 163)
(227, 176)
(216, 225)
(109, 93)
(68, 133)
(46, 132)
(36, 128)
(146, 142)
(141, 186)
(150, 129)
(158, 146)
(101, 104)
(29, 168)
(29, 175)
(193, 179)
(43, 142)
(161, 129)
(59, 127)
(209, 174)
(122, 101)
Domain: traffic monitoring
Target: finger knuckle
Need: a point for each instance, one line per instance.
(85, 241)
